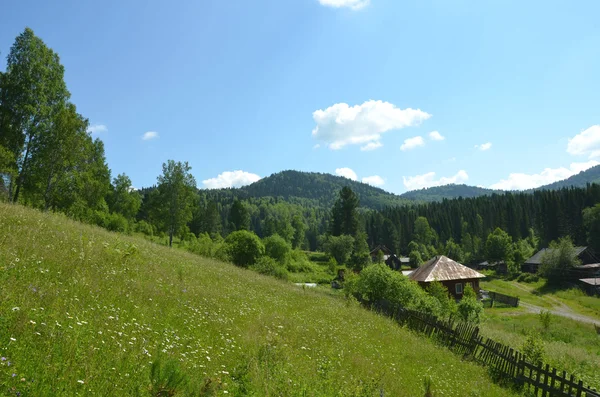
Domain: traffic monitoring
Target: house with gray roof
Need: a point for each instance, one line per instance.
(585, 254)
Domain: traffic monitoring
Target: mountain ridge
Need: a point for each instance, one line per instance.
(321, 189)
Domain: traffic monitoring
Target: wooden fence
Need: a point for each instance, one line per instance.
(506, 299)
(505, 362)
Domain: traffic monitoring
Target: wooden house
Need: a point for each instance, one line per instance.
(450, 273)
(585, 254)
(389, 258)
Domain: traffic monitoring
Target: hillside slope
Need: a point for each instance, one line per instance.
(85, 312)
(438, 193)
(591, 175)
(313, 188)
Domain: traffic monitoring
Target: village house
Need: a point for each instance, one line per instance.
(389, 258)
(585, 254)
(450, 273)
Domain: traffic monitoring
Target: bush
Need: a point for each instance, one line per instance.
(297, 262)
(270, 267)
(469, 309)
(378, 282)
(144, 228)
(533, 349)
(438, 291)
(277, 248)
(117, 223)
(340, 248)
(545, 319)
(528, 278)
(244, 248)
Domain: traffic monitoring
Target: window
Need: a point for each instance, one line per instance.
(459, 288)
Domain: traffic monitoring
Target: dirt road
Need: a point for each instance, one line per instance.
(563, 311)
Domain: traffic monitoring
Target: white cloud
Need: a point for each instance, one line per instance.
(412, 143)
(340, 125)
(352, 4)
(428, 180)
(316, 146)
(436, 136)
(150, 135)
(97, 128)
(231, 179)
(586, 143)
(484, 146)
(374, 180)
(371, 146)
(346, 173)
(520, 181)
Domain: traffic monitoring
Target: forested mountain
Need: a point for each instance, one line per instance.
(591, 175)
(312, 189)
(438, 193)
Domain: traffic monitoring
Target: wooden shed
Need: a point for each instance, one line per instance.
(450, 273)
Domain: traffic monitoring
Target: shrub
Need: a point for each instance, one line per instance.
(339, 247)
(270, 267)
(469, 309)
(117, 223)
(533, 349)
(447, 303)
(528, 278)
(244, 248)
(144, 228)
(277, 248)
(545, 319)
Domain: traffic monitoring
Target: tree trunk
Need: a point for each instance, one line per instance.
(170, 238)
(22, 173)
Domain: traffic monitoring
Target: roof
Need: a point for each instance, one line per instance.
(382, 248)
(404, 260)
(442, 268)
(537, 258)
(590, 266)
(591, 281)
(407, 272)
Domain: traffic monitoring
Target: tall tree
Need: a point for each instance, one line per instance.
(591, 219)
(33, 91)
(498, 246)
(344, 214)
(239, 218)
(175, 198)
(123, 198)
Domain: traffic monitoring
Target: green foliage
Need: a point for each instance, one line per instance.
(175, 198)
(423, 233)
(428, 386)
(270, 267)
(277, 248)
(123, 199)
(469, 309)
(144, 228)
(528, 278)
(447, 303)
(360, 257)
(117, 223)
(545, 319)
(558, 261)
(415, 258)
(166, 379)
(498, 246)
(378, 282)
(533, 349)
(244, 248)
(339, 247)
(379, 257)
(591, 219)
(239, 218)
(344, 214)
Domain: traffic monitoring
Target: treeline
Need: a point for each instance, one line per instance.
(49, 160)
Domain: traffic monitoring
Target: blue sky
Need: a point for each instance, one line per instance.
(242, 89)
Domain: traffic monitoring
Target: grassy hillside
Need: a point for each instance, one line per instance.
(85, 312)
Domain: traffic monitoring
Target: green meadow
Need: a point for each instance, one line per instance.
(87, 312)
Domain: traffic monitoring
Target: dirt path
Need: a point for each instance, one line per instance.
(559, 311)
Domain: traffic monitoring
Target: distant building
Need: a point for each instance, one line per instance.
(389, 258)
(498, 267)
(450, 273)
(585, 254)
(591, 285)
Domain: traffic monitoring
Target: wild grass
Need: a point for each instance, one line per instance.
(569, 345)
(88, 312)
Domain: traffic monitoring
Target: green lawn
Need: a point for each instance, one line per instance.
(85, 312)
